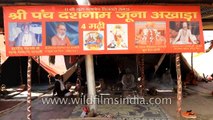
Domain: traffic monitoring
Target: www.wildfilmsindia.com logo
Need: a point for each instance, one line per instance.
(105, 100)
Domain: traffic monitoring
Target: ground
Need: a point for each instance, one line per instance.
(199, 101)
(8, 104)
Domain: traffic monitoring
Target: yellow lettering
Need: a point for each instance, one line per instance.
(83, 26)
(42, 14)
(130, 15)
(20, 14)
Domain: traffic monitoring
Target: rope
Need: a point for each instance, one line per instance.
(179, 86)
(142, 75)
(140, 61)
(79, 72)
(79, 79)
(29, 68)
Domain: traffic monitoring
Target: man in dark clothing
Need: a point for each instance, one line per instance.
(59, 87)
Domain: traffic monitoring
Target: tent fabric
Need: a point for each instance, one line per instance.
(202, 62)
(3, 49)
(72, 69)
(53, 69)
(46, 67)
(60, 67)
(69, 72)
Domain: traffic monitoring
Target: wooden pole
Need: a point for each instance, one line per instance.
(159, 63)
(29, 68)
(142, 76)
(39, 70)
(192, 62)
(20, 70)
(179, 87)
(137, 67)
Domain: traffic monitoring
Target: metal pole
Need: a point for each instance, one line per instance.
(90, 71)
(179, 87)
(29, 68)
(91, 82)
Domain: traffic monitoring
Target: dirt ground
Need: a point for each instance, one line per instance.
(7, 104)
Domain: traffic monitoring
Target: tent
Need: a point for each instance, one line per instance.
(41, 67)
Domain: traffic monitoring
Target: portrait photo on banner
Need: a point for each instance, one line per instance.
(62, 34)
(184, 32)
(117, 36)
(25, 34)
(150, 33)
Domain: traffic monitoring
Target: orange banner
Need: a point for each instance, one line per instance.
(80, 30)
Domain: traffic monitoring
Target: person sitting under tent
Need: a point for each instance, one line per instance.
(59, 87)
(101, 86)
(190, 78)
(128, 80)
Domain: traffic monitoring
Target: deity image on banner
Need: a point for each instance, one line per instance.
(25, 34)
(150, 33)
(93, 40)
(62, 34)
(117, 37)
(182, 32)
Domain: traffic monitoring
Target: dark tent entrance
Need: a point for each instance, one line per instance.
(159, 72)
(109, 68)
(14, 72)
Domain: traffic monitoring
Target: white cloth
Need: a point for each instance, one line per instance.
(185, 37)
(68, 94)
(62, 87)
(60, 64)
(27, 40)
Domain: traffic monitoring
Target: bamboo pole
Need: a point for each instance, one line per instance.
(142, 76)
(159, 63)
(140, 62)
(29, 108)
(179, 87)
(39, 70)
(20, 70)
(192, 67)
(137, 63)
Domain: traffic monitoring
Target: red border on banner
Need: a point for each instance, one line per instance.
(102, 30)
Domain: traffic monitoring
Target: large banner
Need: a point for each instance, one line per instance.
(80, 30)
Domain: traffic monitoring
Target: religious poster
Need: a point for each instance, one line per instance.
(93, 40)
(117, 36)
